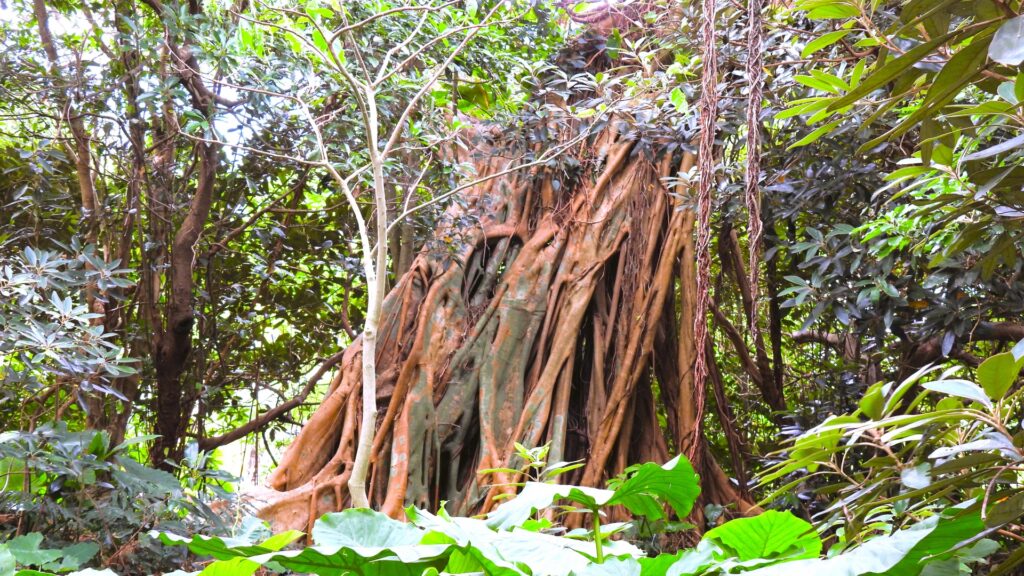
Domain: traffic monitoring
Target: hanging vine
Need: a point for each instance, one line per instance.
(755, 79)
(706, 161)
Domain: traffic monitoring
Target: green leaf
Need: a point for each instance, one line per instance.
(1007, 91)
(1008, 43)
(234, 567)
(833, 12)
(888, 71)
(364, 527)
(768, 535)
(816, 83)
(961, 70)
(538, 496)
(818, 133)
(872, 401)
(961, 388)
(157, 477)
(998, 373)
(223, 548)
(901, 553)
(279, 541)
(500, 552)
(894, 398)
(363, 541)
(330, 561)
(660, 564)
(823, 41)
(695, 560)
(26, 551)
(613, 567)
(77, 554)
(982, 445)
(678, 99)
(917, 477)
(675, 483)
(6, 561)
(12, 475)
(1005, 511)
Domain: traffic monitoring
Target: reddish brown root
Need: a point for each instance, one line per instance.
(534, 315)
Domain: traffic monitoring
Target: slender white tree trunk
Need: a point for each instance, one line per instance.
(374, 263)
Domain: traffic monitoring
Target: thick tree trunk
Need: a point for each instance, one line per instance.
(174, 342)
(537, 314)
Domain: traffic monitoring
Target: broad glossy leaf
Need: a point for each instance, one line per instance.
(1008, 43)
(695, 560)
(537, 496)
(997, 373)
(675, 483)
(234, 567)
(341, 561)
(359, 540)
(612, 567)
(26, 551)
(961, 388)
(873, 401)
(964, 462)
(985, 444)
(6, 561)
(659, 565)
(898, 554)
(997, 149)
(226, 548)
(498, 552)
(77, 554)
(768, 535)
(158, 477)
(894, 398)
(364, 527)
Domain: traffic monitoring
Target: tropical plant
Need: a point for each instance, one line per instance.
(53, 353)
(513, 541)
(25, 552)
(906, 454)
(81, 492)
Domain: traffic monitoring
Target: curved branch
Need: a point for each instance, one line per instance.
(274, 413)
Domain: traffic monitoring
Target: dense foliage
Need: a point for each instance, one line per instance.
(209, 209)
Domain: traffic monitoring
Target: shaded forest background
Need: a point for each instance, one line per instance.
(610, 231)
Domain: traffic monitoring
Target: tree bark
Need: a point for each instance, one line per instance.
(532, 315)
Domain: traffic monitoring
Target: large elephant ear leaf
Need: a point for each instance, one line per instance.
(537, 496)
(768, 535)
(362, 527)
(675, 483)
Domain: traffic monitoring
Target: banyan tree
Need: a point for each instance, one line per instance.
(552, 305)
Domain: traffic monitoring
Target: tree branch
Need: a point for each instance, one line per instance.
(279, 411)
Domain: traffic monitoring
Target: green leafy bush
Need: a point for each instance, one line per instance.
(514, 541)
(916, 451)
(25, 551)
(76, 489)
